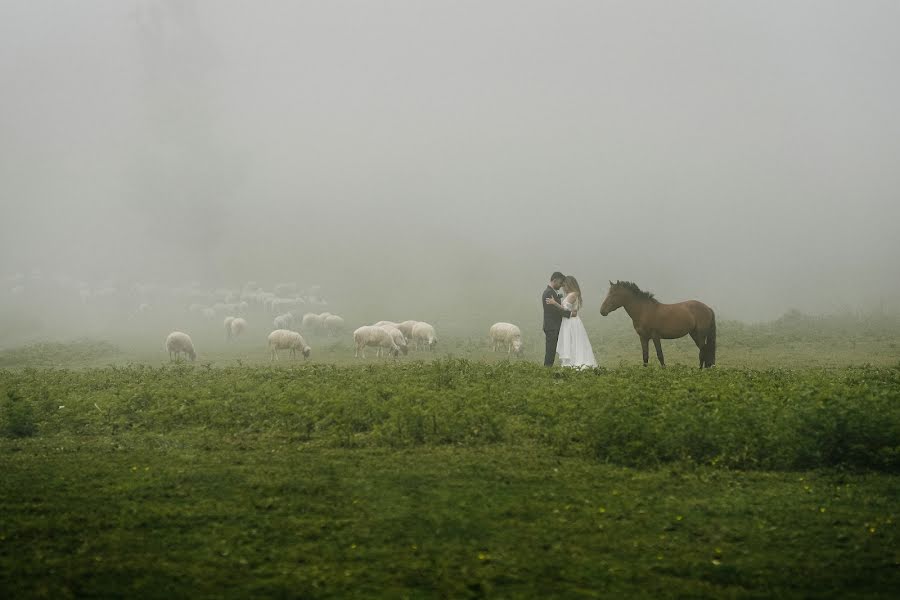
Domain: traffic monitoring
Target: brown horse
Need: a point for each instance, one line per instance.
(655, 321)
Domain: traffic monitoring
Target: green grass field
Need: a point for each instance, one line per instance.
(773, 475)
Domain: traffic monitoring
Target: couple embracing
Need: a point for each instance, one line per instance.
(563, 328)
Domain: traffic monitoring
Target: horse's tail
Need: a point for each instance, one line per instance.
(709, 350)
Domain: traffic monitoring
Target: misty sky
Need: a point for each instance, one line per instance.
(743, 153)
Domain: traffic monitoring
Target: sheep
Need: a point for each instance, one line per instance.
(178, 342)
(334, 324)
(423, 332)
(228, 321)
(398, 338)
(369, 335)
(406, 327)
(226, 307)
(237, 327)
(285, 321)
(508, 334)
(277, 305)
(265, 298)
(310, 322)
(380, 323)
(286, 288)
(208, 313)
(284, 339)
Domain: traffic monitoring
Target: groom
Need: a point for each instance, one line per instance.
(553, 316)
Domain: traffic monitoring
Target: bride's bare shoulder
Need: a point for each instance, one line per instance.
(571, 297)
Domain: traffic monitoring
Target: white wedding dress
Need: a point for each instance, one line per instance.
(574, 347)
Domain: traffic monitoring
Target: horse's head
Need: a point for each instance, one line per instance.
(614, 299)
(621, 293)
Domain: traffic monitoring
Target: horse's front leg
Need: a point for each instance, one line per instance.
(645, 349)
(659, 353)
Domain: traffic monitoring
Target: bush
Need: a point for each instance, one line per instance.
(18, 417)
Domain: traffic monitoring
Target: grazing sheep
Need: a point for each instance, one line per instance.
(310, 322)
(333, 325)
(380, 323)
(369, 335)
(508, 334)
(227, 323)
(283, 339)
(406, 327)
(423, 332)
(265, 298)
(238, 326)
(285, 321)
(277, 305)
(288, 287)
(178, 342)
(398, 338)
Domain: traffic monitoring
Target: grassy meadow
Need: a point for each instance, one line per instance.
(458, 473)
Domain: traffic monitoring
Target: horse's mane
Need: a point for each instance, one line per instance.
(632, 287)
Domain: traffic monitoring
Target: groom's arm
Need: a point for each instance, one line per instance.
(566, 313)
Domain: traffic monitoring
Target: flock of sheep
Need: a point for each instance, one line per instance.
(111, 301)
(387, 337)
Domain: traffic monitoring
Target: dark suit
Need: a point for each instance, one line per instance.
(553, 316)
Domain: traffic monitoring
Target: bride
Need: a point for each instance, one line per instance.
(574, 347)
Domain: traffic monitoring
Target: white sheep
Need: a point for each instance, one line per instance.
(398, 338)
(333, 324)
(278, 305)
(288, 287)
(177, 343)
(208, 313)
(406, 327)
(380, 323)
(310, 322)
(283, 339)
(227, 323)
(285, 321)
(369, 335)
(509, 335)
(423, 332)
(238, 326)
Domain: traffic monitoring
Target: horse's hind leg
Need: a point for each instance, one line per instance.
(659, 353)
(701, 344)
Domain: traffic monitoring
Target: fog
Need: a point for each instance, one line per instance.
(448, 156)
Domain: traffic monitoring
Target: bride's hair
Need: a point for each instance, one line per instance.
(571, 285)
